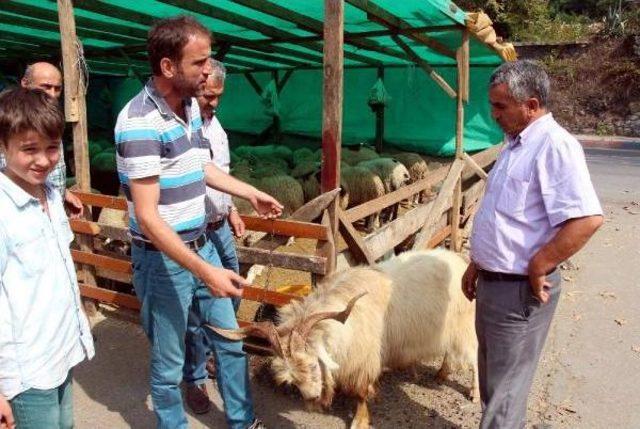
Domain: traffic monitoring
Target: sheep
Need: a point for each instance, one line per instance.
(260, 152)
(285, 189)
(303, 154)
(404, 311)
(304, 168)
(393, 174)
(362, 185)
(358, 154)
(311, 187)
(416, 166)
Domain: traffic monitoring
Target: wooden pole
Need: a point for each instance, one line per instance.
(332, 104)
(461, 94)
(379, 110)
(277, 136)
(75, 107)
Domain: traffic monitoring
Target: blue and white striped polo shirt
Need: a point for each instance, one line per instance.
(151, 141)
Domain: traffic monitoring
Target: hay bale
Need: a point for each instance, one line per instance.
(114, 217)
(285, 189)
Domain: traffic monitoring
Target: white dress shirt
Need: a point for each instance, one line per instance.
(217, 203)
(43, 330)
(539, 181)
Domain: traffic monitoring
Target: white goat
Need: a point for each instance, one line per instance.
(361, 320)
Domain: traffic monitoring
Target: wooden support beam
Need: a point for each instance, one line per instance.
(277, 60)
(327, 249)
(315, 26)
(82, 22)
(333, 80)
(282, 82)
(286, 227)
(376, 13)
(475, 167)
(223, 49)
(425, 66)
(379, 111)
(254, 83)
(75, 108)
(357, 246)
(291, 261)
(38, 24)
(439, 204)
(106, 262)
(456, 239)
(466, 60)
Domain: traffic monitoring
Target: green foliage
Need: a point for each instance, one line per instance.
(558, 20)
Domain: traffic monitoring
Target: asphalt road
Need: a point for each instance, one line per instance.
(590, 375)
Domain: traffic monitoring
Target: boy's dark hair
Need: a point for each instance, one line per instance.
(168, 37)
(23, 109)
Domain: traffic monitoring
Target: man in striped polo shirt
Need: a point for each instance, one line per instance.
(164, 166)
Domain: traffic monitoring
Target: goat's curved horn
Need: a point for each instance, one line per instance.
(266, 330)
(340, 316)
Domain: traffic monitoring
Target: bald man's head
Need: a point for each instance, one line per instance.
(44, 76)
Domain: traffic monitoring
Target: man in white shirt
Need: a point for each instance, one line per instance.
(223, 221)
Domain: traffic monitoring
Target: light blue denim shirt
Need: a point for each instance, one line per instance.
(43, 330)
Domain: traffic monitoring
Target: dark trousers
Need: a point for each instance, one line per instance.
(512, 327)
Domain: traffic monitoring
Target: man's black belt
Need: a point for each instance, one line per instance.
(194, 245)
(214, 226)
(492, 276)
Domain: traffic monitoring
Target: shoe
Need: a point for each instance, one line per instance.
(257, 424)
(198, 399)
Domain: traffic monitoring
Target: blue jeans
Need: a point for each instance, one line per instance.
(168, 292)
(44, 409)
(195, 362)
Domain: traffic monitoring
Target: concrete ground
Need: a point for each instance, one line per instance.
(588, 377)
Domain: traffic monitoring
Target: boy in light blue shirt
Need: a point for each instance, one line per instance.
(43, 331)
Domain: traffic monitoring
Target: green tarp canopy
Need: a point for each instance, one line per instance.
(270, 38)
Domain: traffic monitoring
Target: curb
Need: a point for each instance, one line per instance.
(609, 142)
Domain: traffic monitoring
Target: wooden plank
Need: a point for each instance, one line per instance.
(456, 239)
(475, 167)
(425, 66)
(114, 232)
(396, 231)
(286, 227)
(358, 247)
(84, 227)
(101, 261)
(307, 213)
(439, 204)
(439, 237)
(114, 275)
(291, 261)
(109, 296)
(380, 15)
(75, 108)
(265, 296)
(99, 200)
